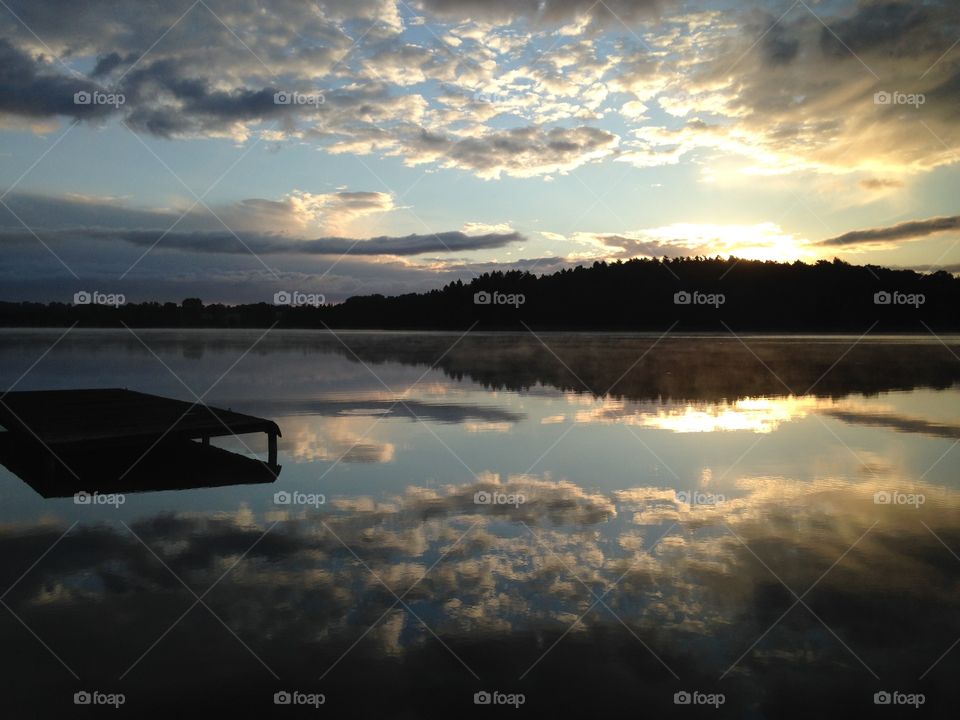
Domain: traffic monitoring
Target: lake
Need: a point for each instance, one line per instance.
(753, 526)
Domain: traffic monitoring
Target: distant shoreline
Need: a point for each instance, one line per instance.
(644, 295)
(676, 333)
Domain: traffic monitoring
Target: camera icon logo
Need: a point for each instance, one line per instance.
(683, 497)
(82, 298)
(482, 298)
(882, 298)
(82, 97)
(682, 698)
(82, 698)
(482, 497)
(882, 698)
(482, 698)
(882, 98)
(682, 298)
(282, 698)
(881, 497)
(282, 98)
(282, 497)
(82, 498)
(282, 298)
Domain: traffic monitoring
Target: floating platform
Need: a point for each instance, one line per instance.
(121, 440)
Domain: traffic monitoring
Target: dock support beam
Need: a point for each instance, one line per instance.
(206, 440)
(272, 449)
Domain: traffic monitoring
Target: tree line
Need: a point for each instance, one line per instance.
(696, 293)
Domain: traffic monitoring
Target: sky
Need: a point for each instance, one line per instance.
(229, 150)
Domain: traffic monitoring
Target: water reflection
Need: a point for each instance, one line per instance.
(500, 585)
(495, 526)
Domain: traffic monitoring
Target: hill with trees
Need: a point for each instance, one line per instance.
(643, 294)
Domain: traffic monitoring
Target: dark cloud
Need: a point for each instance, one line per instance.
(290, 215)
(946, 95)
(59, 211)
(779, 47)
(412, 409)
(902, 231)
(107, 64)
(202, 79)
(29, 88)
(900, 423)
(243, 243)
(880, 183)
(636, 247)
(892, 26)
(519, 152)
(193, 104)
(101, 238)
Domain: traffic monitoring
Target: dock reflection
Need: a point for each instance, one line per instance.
(172, 464)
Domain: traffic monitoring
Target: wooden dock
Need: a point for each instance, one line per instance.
(70, 419)
(168, 465)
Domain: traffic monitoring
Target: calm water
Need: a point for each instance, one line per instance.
(698, 514)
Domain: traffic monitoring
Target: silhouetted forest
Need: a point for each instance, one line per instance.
(696, 293)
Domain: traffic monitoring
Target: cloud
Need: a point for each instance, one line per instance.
(173, 253)
(297, 213)
(242, 242)
(801, 100)
(798, 99)
(301, 211)
(371, 98)
(892, 26)
(759, 241)
(389, 407)
(132, 28)
(544, 11)
(880, 183)
(519, 152)
(30, 87)
(899, 423)
(910, 230)
(479, 228)
(255, 224)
